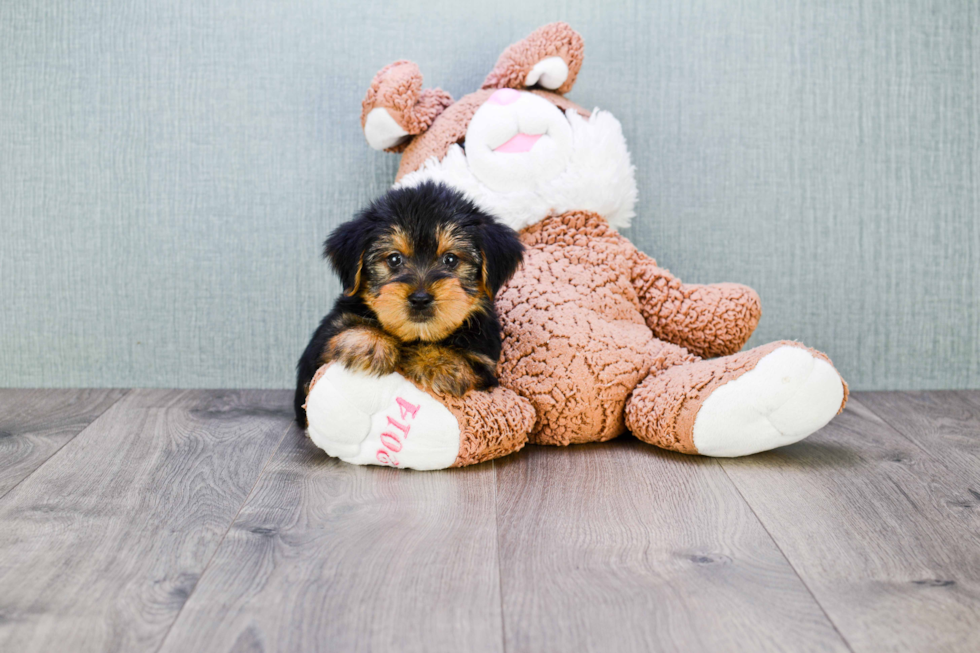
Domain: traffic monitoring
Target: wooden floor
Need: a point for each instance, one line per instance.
(184, 521)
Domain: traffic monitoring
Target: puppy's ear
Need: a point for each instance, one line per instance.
(344, 248)
(502, 254)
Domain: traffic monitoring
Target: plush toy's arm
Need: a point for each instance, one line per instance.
(708, 320)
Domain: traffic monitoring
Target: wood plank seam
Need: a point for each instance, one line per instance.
(500, 576)
(231, 523)
(331, 555)
(54, 453)
(783, 554)
(105, 545)
(870, 406)
(871, 523)
(595, 554)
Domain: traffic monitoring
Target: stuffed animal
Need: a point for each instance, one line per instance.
(598, 339)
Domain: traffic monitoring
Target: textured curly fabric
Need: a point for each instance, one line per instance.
(576, 342)
(398, 89)
(663, 408)
(709, 320)
(552, 40)
(492, 424)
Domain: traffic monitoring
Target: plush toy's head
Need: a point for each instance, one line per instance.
(517, 147)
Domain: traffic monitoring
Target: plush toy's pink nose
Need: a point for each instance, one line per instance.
(505, 96)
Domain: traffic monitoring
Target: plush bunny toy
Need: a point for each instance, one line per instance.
(598, 340)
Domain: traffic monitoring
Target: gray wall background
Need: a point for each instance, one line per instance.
(168, 170)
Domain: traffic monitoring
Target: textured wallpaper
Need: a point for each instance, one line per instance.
(168, 170)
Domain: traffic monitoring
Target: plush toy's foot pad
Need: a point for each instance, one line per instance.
(787, 396)
(738, 405)
(372, 420)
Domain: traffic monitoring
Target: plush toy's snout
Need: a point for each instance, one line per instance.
(396, 109)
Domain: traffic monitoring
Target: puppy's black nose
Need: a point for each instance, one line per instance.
(420, 299)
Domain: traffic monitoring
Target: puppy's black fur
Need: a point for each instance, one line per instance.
(420, 268)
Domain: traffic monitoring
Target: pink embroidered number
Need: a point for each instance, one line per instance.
(390, 442)
(398, 425)
(407, 408)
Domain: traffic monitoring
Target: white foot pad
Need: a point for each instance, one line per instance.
(372, 420)
(786, 397)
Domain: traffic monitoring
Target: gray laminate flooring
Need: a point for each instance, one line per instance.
(201, 520)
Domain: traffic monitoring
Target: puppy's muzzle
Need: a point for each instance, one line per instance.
(421, 302)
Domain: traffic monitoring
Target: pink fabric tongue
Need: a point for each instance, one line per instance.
(520, 143)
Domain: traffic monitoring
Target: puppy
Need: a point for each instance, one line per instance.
(420, 268)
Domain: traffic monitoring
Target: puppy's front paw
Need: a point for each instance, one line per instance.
(365, 349)
(438, 369)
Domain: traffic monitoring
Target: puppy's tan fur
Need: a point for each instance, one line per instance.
(452, 306)
(364, 348)
(440, 369)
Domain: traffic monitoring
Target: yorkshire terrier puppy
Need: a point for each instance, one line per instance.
(420, 268)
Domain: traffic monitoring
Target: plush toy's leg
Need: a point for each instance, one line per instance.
(737, 405)
(371, 420)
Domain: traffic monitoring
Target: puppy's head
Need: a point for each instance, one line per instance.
(424, 259)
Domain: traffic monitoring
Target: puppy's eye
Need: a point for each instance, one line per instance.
(394, 260)
(450, 260)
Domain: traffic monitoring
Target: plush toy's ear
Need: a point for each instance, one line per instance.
(502, 253)
(345, 247)
(396, 108)
(549, 58)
